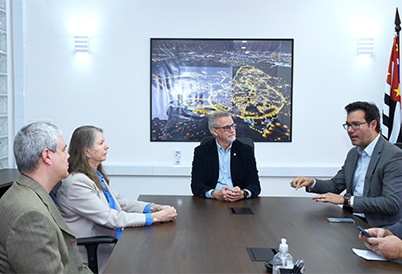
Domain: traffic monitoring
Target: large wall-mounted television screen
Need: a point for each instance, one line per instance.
(250, 78)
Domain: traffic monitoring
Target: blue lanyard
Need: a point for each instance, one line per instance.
(109, 199)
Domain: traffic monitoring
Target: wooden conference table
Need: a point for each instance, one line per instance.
(207, 237)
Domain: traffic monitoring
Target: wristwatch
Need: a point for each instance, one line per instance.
(245, 193)
(346, 199)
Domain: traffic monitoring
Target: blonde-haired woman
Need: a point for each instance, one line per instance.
(90, 206)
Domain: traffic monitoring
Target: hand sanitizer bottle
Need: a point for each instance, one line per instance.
(282, 259)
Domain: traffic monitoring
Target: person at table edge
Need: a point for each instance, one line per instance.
(33, 236)
(385, 241)
(89, 204)
(224, 168)
(371, 174)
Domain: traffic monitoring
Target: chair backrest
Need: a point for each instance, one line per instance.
(55, 189)
(7, 177)
(399, 145)
(244, 140)
(206, 139)
(90, 243)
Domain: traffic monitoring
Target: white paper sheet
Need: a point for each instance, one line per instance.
(368, 255)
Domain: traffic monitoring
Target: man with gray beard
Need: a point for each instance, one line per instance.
(224, 168)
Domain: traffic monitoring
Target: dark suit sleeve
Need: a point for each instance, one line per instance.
(340, 181)
(396, 229)
(385, 189)
(202, 178)
(244, 169)
(335, 185)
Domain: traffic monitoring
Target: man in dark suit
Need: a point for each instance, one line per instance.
(224, 168)
(371, 174)
(33, 236)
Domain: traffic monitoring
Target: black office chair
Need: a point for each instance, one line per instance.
(244, 140)
(90, 243)
(399, 145)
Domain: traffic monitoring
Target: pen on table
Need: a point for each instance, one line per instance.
(301, 267)
(298, 267)
(295, 267)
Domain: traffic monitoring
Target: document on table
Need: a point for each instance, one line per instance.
(368, 255)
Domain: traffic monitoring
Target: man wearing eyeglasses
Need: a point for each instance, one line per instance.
(371, 174)
(224, 168)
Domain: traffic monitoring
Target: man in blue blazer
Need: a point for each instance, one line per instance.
(224, 168)
(371, 174)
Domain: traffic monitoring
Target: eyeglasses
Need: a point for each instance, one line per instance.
(354, 126)
(227, 128)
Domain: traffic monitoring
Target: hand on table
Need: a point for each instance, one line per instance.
(329, 198)
(227, 194)
(220, 194)
(376, 233)
(234, 194)
(166, 214)
(156, 207)
(301, 182)
(389, 247)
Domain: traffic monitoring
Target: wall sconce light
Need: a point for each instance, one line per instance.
(365, 46)
(81, 43)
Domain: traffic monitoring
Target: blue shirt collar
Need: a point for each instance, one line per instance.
(370, 148)
(221, 149)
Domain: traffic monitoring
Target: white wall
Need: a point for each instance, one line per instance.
(111, 88)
